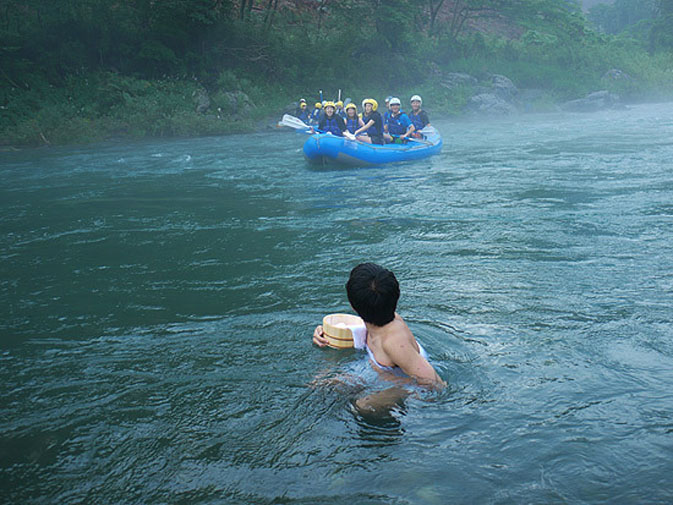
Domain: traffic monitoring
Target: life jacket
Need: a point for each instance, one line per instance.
(352, 124)
(373, 130)
(417, 120)
(395, 126)
(331, 125)
(303, 115)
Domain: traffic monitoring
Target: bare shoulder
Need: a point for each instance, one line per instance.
(401, 347)
(400, 320)
(399, 338)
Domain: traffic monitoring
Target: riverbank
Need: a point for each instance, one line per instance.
(147, 70)
(92, 107)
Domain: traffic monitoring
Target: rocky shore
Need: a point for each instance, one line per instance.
(497, 95)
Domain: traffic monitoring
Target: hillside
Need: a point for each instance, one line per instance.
(197, 67)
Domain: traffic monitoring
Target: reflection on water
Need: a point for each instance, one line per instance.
(158, 300)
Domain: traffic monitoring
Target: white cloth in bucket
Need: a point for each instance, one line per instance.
(359, 332)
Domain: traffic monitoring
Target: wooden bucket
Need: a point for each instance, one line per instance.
(339, 338)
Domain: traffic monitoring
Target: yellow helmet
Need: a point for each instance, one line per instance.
(351, 106)
(302, 105)
(318, 105)
(329, 104)
(375, 104)
(339, 103)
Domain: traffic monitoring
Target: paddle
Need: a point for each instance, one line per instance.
(298, 124)
(293, 122)
(428, 130)
(411, 139)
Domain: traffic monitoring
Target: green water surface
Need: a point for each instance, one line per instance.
(157, 301)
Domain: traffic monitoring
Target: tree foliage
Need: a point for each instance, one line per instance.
(622, 14)
(51, 51)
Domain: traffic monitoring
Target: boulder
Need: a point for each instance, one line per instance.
(503, 87)
(238, 103)
(598, 100)
(201, 100)
(434, 70)
(489, 103)
(614, 74)
(455, 79)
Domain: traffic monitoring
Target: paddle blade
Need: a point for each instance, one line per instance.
(293, 122)
(428, 130)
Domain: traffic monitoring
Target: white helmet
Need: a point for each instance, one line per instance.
(416, 98)
(395, 101)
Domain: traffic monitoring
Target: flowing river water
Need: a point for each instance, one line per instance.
(157, 301)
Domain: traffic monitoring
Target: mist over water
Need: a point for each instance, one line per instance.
(158, 300)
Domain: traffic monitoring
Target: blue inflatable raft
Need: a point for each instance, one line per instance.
(323, 147)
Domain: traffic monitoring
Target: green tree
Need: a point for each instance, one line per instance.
(661, 36)
(622, 14)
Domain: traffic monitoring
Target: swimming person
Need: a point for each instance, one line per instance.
(373, 292)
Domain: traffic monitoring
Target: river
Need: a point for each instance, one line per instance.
(157, 301)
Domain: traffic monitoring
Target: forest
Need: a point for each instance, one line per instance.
(88, 70)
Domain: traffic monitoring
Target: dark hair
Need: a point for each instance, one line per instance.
(373, 292)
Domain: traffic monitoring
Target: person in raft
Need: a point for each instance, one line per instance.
(373, 292)
(398, 126)
(386, 113)
(330, 122)
(418, 116)
(315, 115)
(340, 109)
(372, 124)
(302, 111)
(353, 121)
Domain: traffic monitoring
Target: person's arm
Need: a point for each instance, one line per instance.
(364, 128)
(425, 119)
(410, 127)
(318, 338)
(381, 403)
(341, 123)
(406, 356)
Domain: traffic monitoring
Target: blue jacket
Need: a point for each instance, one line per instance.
(352, 124)
(334, 125)
(398, 125)
(419, 120)
(303, 115)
